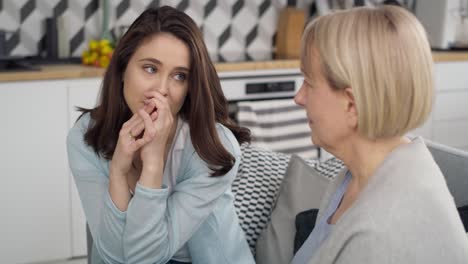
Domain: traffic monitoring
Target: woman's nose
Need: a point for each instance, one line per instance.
(162, 86)
(299, 97)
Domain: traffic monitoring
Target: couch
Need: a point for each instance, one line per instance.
(262, 171)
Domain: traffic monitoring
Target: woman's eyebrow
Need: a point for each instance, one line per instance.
(158, 62)
(181, 68)
(153, 60)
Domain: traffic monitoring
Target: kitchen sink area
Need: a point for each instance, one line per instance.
(17, 65)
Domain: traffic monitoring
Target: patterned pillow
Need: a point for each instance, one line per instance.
(329, 168)
(257, 185)
(255, 188)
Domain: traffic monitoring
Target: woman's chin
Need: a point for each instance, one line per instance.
(314, 139)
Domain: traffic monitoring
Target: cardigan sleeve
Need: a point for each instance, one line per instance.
(105, 220)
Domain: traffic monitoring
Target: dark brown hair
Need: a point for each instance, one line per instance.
(204, 104)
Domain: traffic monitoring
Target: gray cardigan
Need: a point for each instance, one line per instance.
(405, 214)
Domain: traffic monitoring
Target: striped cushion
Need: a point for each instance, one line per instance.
(278, 125)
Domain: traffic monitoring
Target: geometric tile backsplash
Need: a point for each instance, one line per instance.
(234, 30)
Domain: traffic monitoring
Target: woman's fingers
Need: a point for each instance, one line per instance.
(154, 115)
(137, 129)
(149, 129)
(160, 101)
(149, 107)
(130, 123)
(127, 131)
(163, 111)
(140, 128)
(129, 136)
(135, 124)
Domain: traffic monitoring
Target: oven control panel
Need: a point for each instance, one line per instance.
(261, 85)
(270, 87)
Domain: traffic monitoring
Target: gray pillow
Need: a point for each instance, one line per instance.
(302, 188)
(454, 165)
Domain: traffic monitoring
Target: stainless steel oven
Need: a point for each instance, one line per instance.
(263, 102)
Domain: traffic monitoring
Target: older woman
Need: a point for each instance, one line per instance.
(367, 82)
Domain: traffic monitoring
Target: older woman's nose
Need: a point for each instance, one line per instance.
(299, 98)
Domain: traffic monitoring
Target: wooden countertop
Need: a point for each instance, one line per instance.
(73, 71)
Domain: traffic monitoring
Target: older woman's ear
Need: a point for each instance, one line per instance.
(350, 107)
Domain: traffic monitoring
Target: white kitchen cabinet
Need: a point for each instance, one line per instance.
(448, 121)
(35, 195)
(451, 75)
(42, 217)
(450, 113)
(82, 93)
(451, 105)
(452, 133)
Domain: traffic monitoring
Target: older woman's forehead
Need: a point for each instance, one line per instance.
(310, 65)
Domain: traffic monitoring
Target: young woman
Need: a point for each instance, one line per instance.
(367, 82)
(154, 160)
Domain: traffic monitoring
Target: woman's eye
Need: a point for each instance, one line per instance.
(307, 83)
(180, 76)
(149, 69)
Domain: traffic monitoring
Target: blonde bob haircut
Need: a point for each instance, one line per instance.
(383, 54)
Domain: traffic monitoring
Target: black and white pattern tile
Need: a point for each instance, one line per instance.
(234, 30)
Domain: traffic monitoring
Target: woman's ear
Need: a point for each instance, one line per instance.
(351, 107)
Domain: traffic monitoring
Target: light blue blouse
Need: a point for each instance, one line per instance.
(191, 219)
(322, 229)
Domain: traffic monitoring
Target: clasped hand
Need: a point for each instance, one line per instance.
(147, 130)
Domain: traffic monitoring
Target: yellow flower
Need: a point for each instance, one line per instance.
(93, 45)
(106, 50)
(104, 61)
(104, 43)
